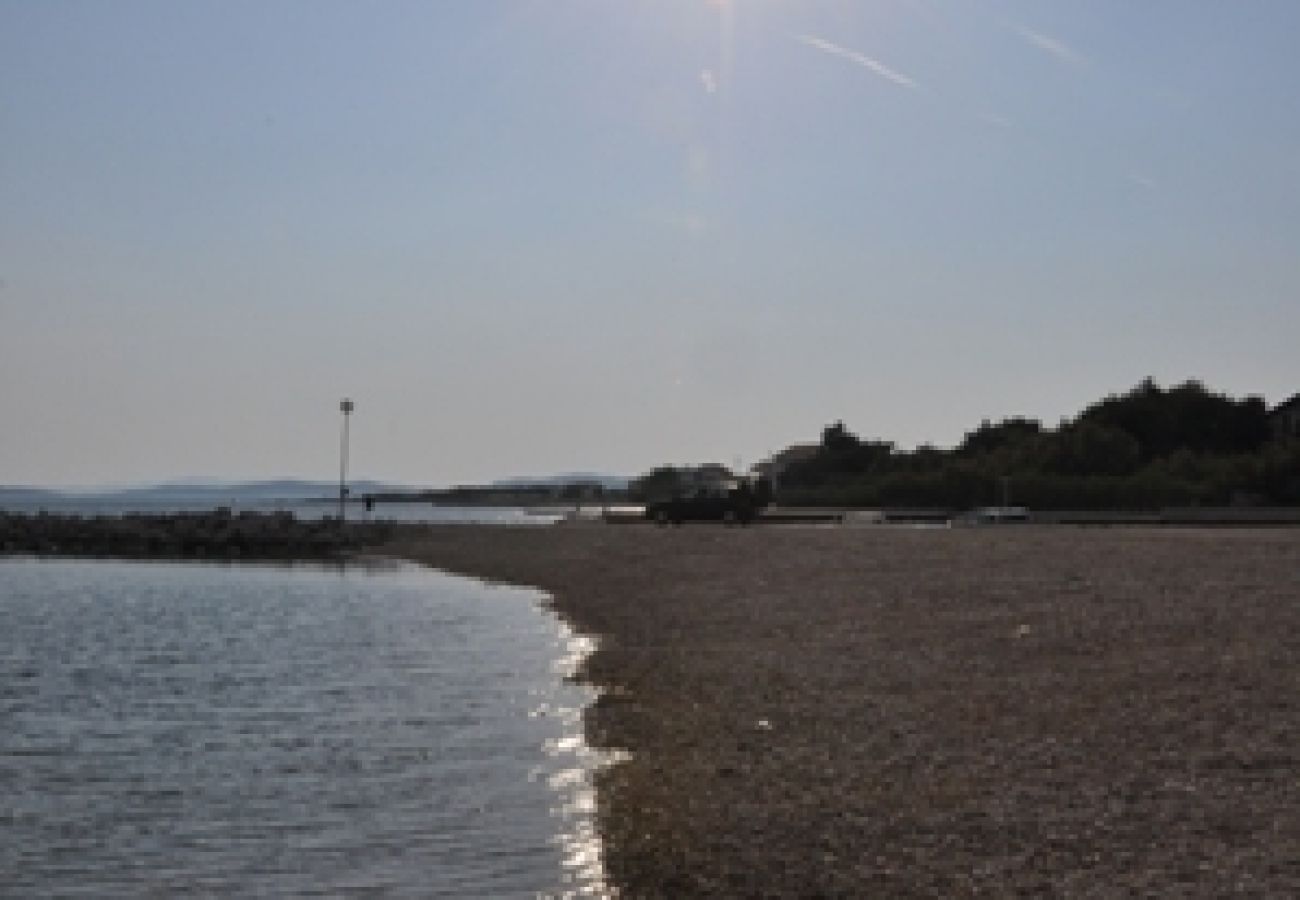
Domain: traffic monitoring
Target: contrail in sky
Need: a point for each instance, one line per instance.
(861, 59)
(1048, 44)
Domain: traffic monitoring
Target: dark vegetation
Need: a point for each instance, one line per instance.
(211, 535)
(1148, 448)
(660, 483)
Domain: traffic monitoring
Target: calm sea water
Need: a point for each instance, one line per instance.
(247, 730)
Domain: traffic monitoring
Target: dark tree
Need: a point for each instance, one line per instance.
(1087, 448)
(988, 437)
(836, 439)
(1186, 417)
(659, 483)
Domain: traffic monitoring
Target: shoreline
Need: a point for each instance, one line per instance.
(847, 711)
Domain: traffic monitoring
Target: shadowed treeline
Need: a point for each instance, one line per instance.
(1147, 448)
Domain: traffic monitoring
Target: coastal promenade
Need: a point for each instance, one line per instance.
(886, 712)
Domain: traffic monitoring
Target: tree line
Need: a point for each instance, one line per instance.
(1143, 449)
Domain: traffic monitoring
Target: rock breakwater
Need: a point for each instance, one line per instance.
(219, 534)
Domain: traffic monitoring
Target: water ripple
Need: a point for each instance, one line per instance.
(259, 730)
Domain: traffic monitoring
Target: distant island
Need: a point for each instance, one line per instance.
(196, 494)
(281, 493)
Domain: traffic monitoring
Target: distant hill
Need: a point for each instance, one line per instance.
(199, 493)
(609, 482)
(276, 489)
(186, 493)
(26, 496)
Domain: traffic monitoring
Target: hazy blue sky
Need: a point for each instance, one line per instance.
(531, 237)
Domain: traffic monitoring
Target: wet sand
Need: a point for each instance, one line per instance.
(869, 712)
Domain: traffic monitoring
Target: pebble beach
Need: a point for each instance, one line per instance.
(941, 712)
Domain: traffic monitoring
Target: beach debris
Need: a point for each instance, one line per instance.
(1023, 631)
(763, 725)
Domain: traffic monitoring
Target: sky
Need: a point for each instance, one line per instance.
(598, 235)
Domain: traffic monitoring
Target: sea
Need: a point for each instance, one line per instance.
(177, 729)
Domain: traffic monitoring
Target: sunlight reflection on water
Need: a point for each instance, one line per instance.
(571, 775)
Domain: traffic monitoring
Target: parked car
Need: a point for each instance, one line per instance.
(736, 503)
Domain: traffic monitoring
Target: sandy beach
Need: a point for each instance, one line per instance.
(875, 711)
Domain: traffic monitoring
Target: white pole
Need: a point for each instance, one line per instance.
(346, 406)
